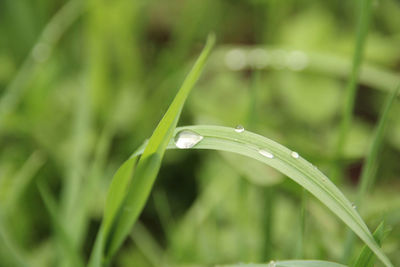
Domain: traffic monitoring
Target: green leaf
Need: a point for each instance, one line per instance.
(291, 263)
(371, 164)
(362, 31)
(298, 169)
(122, 212)
(64, 239)
(117, 192)
(366, 258)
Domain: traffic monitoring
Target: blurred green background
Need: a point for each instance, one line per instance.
(84, 83)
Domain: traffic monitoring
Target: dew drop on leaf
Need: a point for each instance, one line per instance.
(239, 129)
(187, 139)
(266, 154)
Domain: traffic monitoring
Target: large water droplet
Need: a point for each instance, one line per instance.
(272, 264)
(187, 139)
(266, 154)
(294, 154)
(353, 205)
(239, 129)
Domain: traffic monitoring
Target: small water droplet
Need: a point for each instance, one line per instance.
(353, 205)
(266, 154)
(187, 139)
(294, 154)
(236, 59)
(239, 129)
(272, 264)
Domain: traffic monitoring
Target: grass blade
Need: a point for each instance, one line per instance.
(147, 168)
(291, 263)
(117, 192)
(65, 241)
(23, 178)
(362, 31)
(369, 170)
(49, 37)
(366, 258)
(296, 168)
(370, 166)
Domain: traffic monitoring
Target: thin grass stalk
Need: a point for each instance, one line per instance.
(370, 167)
(49, 37)
(351, 90)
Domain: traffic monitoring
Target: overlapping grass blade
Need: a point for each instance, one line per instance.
(67, 245)
(298, 169)
(122, 211)
(290, 263)
(367, 258)
(117, 192)
(370, 166)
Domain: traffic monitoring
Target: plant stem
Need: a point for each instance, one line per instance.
(351, 90)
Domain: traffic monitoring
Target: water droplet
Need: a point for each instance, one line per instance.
(272, 264)
(235, 59)
(266, 154)
(294, 154)
(187, 139)
(353, 206)
(258, 58)
(239, 129)
(297, 60)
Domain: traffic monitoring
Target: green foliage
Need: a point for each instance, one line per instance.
(294, 263)
(128, 194)
(82, 85)
(366, 258)
(295, 167)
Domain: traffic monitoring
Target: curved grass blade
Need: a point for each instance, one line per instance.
(22, 179)
(366, 258)
(117, 192)
(351, 90)
(370, 166)
(120, 222)
(291, 263)
(292, 165)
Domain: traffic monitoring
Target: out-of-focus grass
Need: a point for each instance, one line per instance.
(78, 112)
